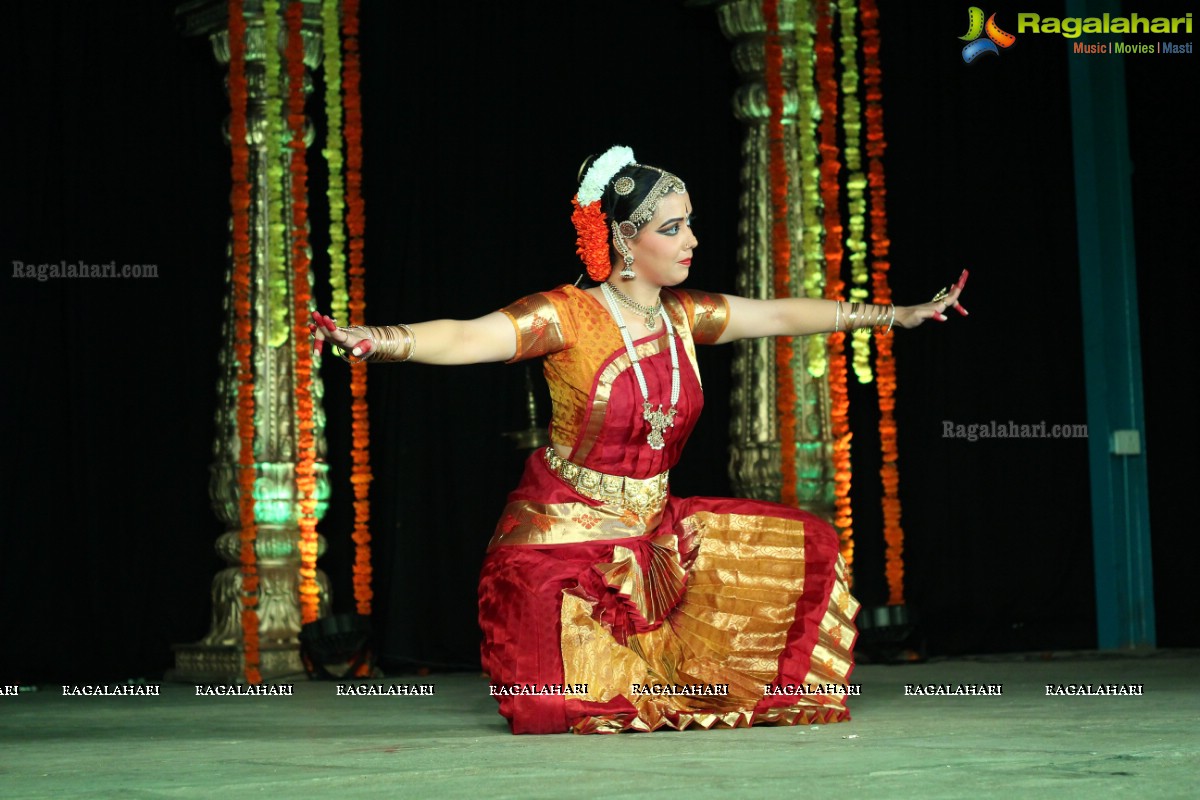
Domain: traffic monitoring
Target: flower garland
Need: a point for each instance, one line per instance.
(277, 273)
(885, 364)
(306, 482)
(360, 477)
(810, 189)
(243, 346)
(839, 400)
(601, 171)
(855, 185)
(591, 224)
(591, 239)
(332, 45)
(781, 249)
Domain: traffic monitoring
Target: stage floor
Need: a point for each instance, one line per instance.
(317, 744)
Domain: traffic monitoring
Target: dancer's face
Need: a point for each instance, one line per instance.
(663, 249)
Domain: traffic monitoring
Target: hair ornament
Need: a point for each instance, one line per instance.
(624, 185)
(591, 239)
(602, 171)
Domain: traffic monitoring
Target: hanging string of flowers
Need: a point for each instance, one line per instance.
(360, 476)
(856, 184)
(781, 247)
(306, 482)
(839, 400)
(810, 190)
(243, 340)
(885, 364)
(277, 273)
(332, 44)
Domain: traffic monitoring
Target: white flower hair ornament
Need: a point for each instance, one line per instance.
(602, 170)
(590, 223)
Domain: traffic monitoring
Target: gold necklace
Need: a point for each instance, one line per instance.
(649, 315)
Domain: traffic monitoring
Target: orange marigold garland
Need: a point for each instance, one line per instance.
(591, 239)
(306, 482)
(781, 248)
(885, 364)
(361, 476)
(827, 96)
(243, 339)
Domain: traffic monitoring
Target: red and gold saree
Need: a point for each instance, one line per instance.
(596, 591)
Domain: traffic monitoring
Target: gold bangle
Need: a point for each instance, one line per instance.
(410, 342)
(394, 343)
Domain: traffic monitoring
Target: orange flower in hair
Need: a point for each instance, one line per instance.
(592, 239)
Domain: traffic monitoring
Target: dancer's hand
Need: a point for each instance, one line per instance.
(912, 316)
(323, 329)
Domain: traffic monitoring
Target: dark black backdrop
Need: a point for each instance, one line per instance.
(476, 117)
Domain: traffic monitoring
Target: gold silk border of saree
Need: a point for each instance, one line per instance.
(729, 629)
(528, 523)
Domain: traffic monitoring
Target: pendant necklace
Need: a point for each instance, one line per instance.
(649, 314)
(658, 419)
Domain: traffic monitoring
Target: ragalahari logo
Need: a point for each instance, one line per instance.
(976, 27)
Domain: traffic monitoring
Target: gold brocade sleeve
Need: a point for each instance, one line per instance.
(708, 313)
(540, 325)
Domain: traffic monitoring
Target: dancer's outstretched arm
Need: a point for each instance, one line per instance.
(444, 341)
(799, 316)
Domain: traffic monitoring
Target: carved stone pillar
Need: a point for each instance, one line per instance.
(754, 430)
(218, 656)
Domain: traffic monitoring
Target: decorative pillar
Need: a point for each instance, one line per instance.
(1112, 354)
(217, 658)
(755, 466)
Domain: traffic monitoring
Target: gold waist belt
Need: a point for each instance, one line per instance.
(641, 495)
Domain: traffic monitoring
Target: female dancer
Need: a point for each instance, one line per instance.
(607, 603)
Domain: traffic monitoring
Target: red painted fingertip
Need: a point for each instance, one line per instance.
(939, 317)
(962, 279)
(958, 307)
(329, 326)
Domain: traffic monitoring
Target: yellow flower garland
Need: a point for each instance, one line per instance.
(277, 273)
(810, 189)
(332, 42)
(856, 184)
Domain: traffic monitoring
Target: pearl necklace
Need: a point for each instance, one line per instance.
(659, 420)
(648, 313)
